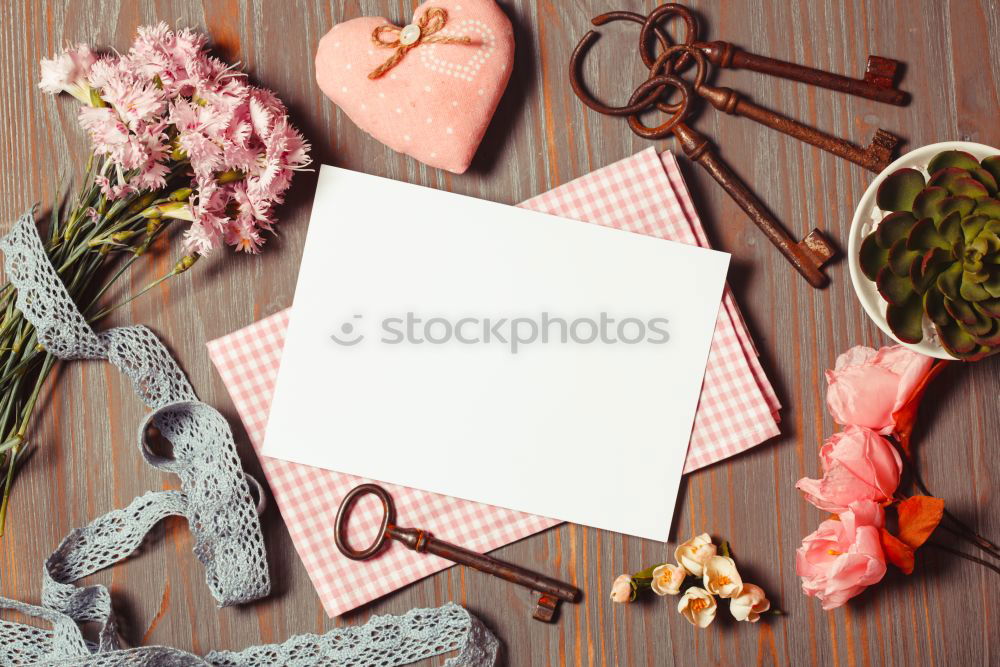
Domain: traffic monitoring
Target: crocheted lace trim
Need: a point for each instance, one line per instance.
(216, 499)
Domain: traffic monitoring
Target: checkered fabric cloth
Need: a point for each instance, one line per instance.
(738, 409)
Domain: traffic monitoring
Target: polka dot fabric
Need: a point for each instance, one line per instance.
(738, 409)
(437, 102)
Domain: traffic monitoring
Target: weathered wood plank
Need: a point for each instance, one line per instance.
(542, 137)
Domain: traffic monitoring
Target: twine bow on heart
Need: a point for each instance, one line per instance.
(411, 36)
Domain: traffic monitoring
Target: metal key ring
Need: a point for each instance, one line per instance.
(340, 526)
(656, 66)
(635, 17)
(576, 64)
(659, 83)
(666, 66)
(651, 23)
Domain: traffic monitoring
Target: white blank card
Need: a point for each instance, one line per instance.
(496, 354)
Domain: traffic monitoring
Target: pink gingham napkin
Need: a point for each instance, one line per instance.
(738, 409)
(646, 194)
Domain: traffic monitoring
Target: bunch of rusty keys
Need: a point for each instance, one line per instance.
(813, 251)
(874, 158)
(552, 590)
(875, 86)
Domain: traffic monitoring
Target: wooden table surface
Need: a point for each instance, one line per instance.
(86, 463)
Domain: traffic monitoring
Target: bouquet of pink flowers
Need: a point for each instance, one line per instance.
(874, 394)
(178, 137)
(168, 113)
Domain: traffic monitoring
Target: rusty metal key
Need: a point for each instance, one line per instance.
(874, 158)
(807, 256)
(552, 591)
(878, 84)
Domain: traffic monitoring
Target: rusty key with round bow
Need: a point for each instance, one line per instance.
(552, 591)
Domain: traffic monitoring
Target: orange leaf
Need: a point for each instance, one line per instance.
(918, 517)
(906, 416)
(896, 552)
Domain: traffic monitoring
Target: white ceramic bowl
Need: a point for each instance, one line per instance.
(862, 224)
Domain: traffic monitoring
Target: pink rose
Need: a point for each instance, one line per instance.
(843, 557)
(867, 386)
(858, 464)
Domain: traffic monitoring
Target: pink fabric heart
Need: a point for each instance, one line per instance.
(437, 101)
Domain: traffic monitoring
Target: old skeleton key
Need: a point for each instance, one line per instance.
(807, 256)
(874, 158)
(552, 590)
(879, 83)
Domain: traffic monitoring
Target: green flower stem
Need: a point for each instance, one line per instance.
(18, 440)
(24, 365)
(100, 232)
(647, 573)
(8, 480)
(10, 444)
(10, 398)
(20, 368)
(107, 311)
(125, 266)
(111, 281)
(26, 413)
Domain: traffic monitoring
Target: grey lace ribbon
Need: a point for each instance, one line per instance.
(216, 500)
(386, 641)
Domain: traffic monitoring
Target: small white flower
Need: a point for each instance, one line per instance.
(722, 577)
(621, 589)
(698, 606)
(667, 579)
(749, 604)
(693, 554)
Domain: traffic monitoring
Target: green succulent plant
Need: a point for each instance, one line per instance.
(937, 252)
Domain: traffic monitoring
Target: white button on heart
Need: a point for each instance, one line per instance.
(409, 34)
